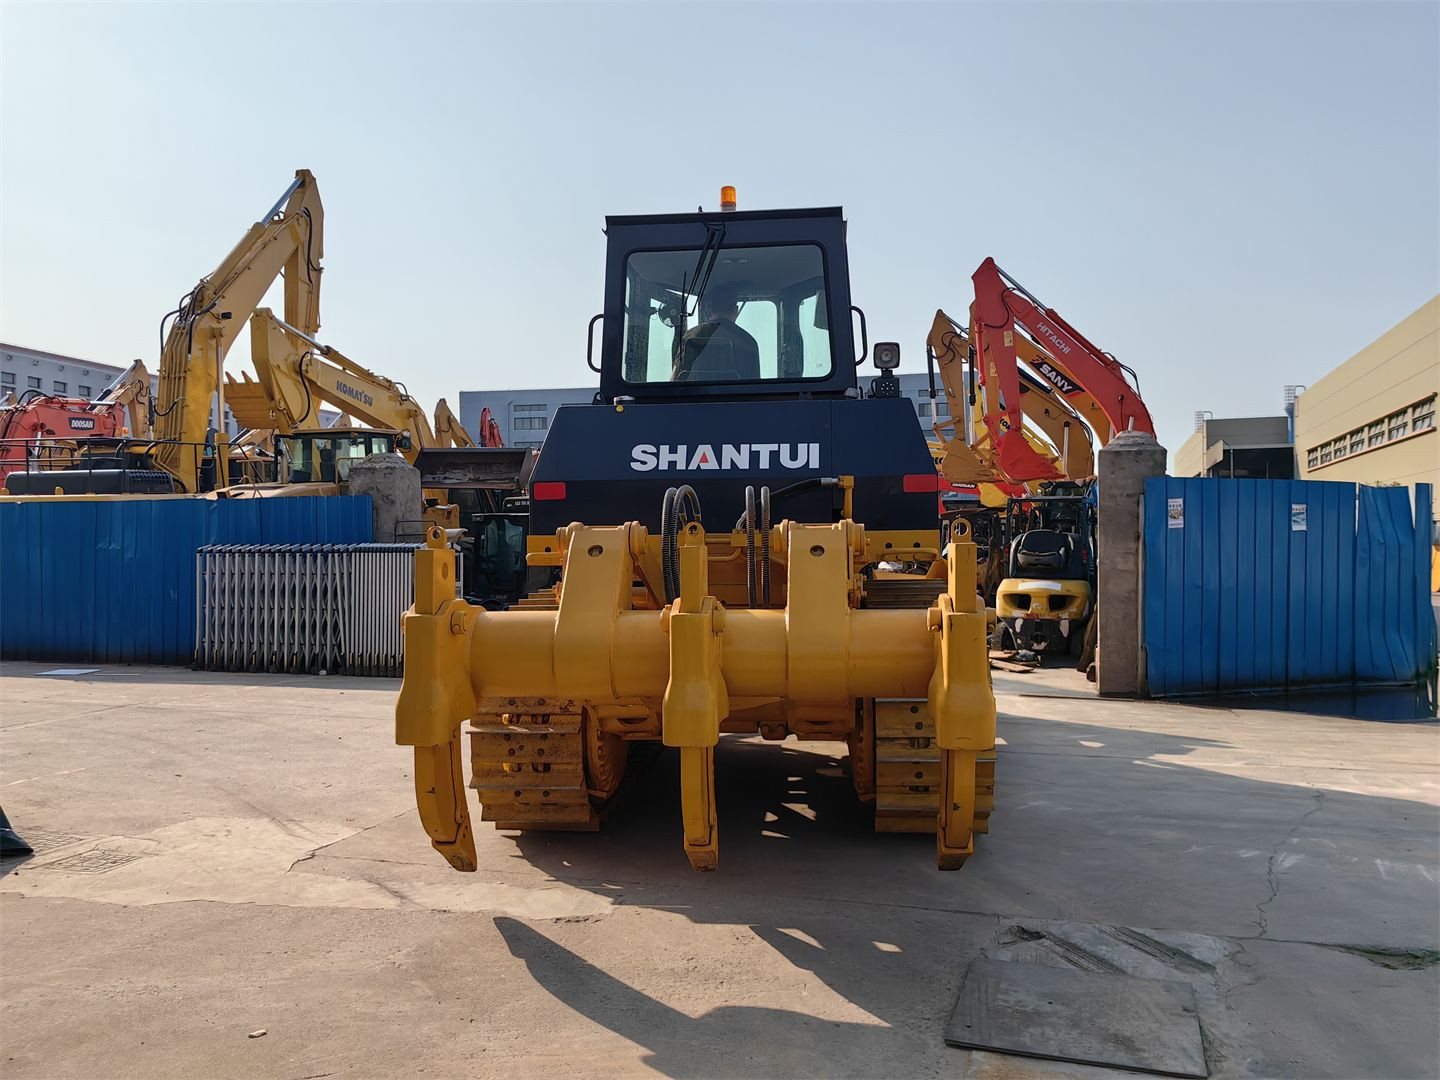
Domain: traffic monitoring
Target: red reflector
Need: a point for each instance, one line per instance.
(548, 491)
(922, 482)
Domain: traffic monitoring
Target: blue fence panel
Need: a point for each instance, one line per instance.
(113, 580)
(1392, 555)
(1264, 584)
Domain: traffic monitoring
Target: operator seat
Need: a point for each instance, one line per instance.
(1041, 550)
(724, 354)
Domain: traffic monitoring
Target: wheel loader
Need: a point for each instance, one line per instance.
(742, 538)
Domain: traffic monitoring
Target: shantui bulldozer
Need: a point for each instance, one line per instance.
(741, 539)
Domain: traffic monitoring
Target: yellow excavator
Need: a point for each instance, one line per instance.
(448, 429)
(296, 375)
(131, 391)
(466, 485)
(286, 242)
(719, 523)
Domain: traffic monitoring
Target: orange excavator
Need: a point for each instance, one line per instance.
(1098, 387)
(45, 431)
(1047, 565)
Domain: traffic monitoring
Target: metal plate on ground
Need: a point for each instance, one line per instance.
(43, 841)
(90, 862)
(1088, 1017)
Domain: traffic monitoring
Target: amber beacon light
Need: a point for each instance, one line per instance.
(727, 198)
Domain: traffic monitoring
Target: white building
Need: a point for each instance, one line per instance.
(24, 369)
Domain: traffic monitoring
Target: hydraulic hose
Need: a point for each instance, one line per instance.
(765, 545)
(681, 506)
(749, 520)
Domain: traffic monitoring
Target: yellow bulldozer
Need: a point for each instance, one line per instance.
(742, 539)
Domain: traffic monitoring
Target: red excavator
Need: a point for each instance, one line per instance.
(45, 430)
(1095, 384)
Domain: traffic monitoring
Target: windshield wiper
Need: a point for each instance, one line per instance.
(714, 238)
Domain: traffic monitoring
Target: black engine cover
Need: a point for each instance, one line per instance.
(615, 462)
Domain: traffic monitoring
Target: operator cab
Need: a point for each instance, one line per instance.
(324, 456)
(726, 362)
(726, 306)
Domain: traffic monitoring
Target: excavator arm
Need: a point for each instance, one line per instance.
(1071, 363)
(130, 391)
(964, 461)
(298, 373)
(450, 432)
(969, 457)
(286, 241)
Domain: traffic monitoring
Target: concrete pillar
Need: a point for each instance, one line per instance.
(1124, 465)
(394, 489)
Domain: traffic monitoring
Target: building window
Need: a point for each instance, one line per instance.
(1327, 454)
(1399, 424)
(1357, 440)
(1340, 449)
(942, 408)
(1376, 434)
(33, 382)
(528, 445)
(924, 408)
(527, 408)
(531, 423)
(1312, 459)
(59, 386)
(7, 378)
(84, 390)
(1424, 416)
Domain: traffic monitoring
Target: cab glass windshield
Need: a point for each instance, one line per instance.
(726, 314)
(327, 459)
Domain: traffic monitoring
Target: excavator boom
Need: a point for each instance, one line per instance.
(968, 456)
(298, 373)
(450, 432)
(131, 391)
(286, 241)
(1072, 364)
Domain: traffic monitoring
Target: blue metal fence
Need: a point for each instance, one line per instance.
(1267, 584)
(113, 580)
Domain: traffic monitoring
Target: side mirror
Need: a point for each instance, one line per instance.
(887, 355)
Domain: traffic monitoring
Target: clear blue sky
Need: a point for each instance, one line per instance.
(1228, 196)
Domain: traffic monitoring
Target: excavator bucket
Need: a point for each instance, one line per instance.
(1021, 462)
(249, 403)
(964, 464)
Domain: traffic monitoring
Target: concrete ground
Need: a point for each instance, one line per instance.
(222, 854)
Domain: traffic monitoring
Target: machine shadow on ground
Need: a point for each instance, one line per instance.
(1120, 836)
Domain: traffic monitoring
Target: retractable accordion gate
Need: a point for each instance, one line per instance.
(303, 608)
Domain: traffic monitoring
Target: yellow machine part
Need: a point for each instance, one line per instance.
(555, 688)
(1043, 598)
